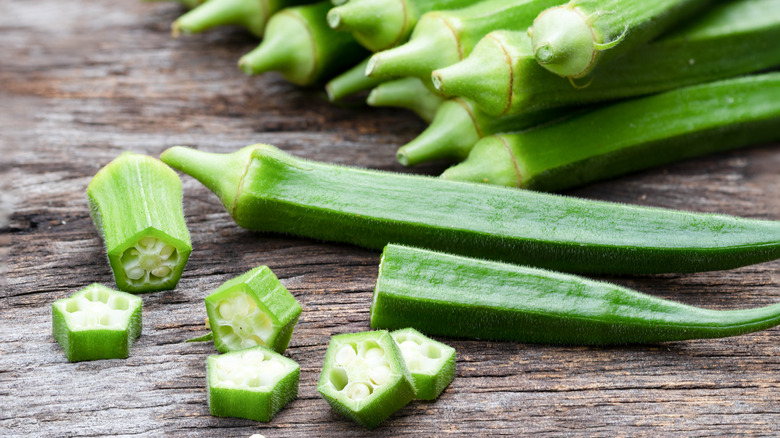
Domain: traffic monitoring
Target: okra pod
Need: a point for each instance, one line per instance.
(250, 14)
(442, 38)
(570, 40)
(266, 189)
(449, 295)
(502, 76)
(135, 203)
(382, 24)
(299, 44)
(642, 133)
(96, 323)
(431, 363)
(409, 93)
(351, 82)
(364, 377)
(189, 4)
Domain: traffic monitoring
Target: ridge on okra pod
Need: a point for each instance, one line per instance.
(642, 133)
(136, 204)
(455, 296)
(250, 14)
(409, 93)
(503, 78)
(299, 44)
(265, 189)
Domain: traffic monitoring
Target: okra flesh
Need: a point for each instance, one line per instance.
(96, 323)
(503, 78)
(136, 205)
(431, 363)
(409, 93)
(252, 309)
(643, 133)
(364, 377)
(255, 383)
(447, 295)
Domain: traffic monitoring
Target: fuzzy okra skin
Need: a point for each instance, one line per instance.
(135, 203)
(642, 133)
(431, 363)
(442, 38)
(454, 296)
(265, 189)
(364, 377)
(351, 82)
(299, 44)
(409, 93)
(186, 3)
(254, 383)
(382, 24)
(570, 40)
(252, 309)
(250, 14)
(502, 77)
(96, 323)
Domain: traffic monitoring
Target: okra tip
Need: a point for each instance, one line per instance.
(563, 41)
(490, 161)
(450, 135)
(411, 59)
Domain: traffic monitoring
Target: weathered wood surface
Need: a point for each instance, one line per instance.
(81, 81)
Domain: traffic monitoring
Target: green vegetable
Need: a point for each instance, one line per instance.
(351, 82)
(431, 363)
(252, 309)
(458, 125)
(364, 377)
(571, 39)
(251, 14)
(642, 133)
(135, 202)
(442, 38)
(448, 295)
(409, 93)
(205, 338)
(299, 44)
(266, 189)
(255, 383)
(96, 323)
(502, 76)
(186, 3)
(382, 24)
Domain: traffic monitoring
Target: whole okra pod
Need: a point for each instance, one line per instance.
(502, 76)
(266, 189)
(642, 133)
(409, 93)
(250, 14)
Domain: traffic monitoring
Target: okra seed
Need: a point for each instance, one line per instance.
(380, 374)
(345, 355)
(358, 391)
(135, 273)
(226, 310)
(254, 356)
(166, 251)
(161, 271)
(147, 241)
(374, 354)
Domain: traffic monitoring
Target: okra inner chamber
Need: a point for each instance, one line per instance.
(149, 261)
(96, 309)
(421, 355)
(241, 322)
(359, 369)
(249, 370)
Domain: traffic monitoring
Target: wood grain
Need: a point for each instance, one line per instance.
(81, 81)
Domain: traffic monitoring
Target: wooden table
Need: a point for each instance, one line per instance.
(81, 81)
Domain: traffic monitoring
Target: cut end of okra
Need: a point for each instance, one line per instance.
(564, 42)
(364, 377)
(431, 363)
(254, 383)
(150, 261)
(96, 323)
(252, 309)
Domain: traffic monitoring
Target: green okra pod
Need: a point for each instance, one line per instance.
(449, 295)
(186, 3)
(409, 93)
(250, 14)
(442, 38)
(570, 40)
(266, 189)
(431, 363)
(382, 24)
(135, 203)
(642, 133)
(502, 76)
(299, 44)
(351, 82)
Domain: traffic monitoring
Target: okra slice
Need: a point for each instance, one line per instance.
(96, 323)
(254, 383)
(252, 309)
(364, 377)
(431, 363)
(135, 202)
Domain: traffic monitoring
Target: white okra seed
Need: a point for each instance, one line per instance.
(161, 271)
(358, 391)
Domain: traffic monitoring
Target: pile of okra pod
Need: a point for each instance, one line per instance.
(527, 93)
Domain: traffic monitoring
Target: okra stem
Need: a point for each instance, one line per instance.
(409, 93)
(351, 82)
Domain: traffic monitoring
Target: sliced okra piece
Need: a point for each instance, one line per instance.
(254, 383)
(135, 202)
(431, 363)
(96, 323)
(364, 377)
(252, 309)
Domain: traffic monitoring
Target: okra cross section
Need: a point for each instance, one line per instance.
(252, 309)
(96, 323)
(364, 377)
(135, 202)
(431, 363)
(254, 383)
